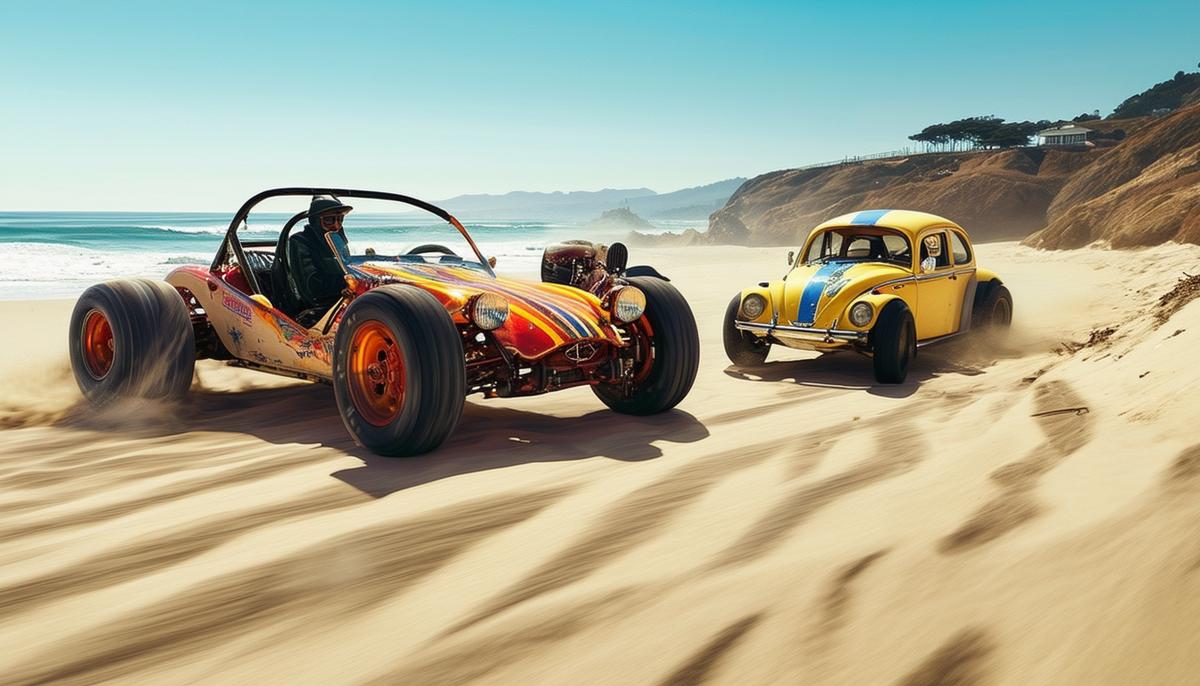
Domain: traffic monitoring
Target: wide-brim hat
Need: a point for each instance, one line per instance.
(324, 204)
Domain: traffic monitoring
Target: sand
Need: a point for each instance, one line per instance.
(1016, 513)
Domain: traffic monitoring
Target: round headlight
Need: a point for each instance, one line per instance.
(753, 305)
(860, 314)
(489, 311)
(627, 304)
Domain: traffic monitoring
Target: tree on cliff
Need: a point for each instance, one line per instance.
(987, 131)
(1168, 95)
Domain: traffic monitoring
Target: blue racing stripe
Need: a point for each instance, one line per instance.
(811, 296)
(868, 218)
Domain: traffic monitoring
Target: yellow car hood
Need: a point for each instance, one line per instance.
(817, 294)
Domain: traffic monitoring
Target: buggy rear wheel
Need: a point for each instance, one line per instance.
(131, 338)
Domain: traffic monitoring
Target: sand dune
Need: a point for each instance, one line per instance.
(1017, 514)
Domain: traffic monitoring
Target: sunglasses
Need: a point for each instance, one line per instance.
(332, 220)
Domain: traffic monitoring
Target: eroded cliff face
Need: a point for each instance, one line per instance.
(1001, 194)
(1142, 191)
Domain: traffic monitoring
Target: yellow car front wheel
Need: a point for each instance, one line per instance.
(894, 342)
(744, 349)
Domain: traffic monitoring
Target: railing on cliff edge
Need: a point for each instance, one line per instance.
(896, 154)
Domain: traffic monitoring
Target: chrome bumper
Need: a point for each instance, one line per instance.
(804, 334)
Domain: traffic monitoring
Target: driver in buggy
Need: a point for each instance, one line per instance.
(316, 277)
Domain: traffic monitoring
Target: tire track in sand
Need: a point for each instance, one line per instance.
(1066, 432)
(150, 554)
(631, 521)
(315, 587)
(699, 666)
(961, 661)
(900, 447)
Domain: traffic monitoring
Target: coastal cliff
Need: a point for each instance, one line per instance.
(1138, 190)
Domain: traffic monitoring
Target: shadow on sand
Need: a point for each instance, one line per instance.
(487, 437)
(850, 371)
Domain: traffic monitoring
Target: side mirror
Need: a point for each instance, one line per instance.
(791, 257)
(492, 261)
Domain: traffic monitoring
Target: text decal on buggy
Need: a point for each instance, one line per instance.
(236, 306)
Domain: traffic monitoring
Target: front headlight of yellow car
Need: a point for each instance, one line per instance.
(489, 311)
(753, 305)
(861, 313)
(627, 303)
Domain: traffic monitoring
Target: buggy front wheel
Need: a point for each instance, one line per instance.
(398, 373)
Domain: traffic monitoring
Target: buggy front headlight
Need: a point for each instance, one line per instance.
(861, 313)
(627, 304)
(489, 311)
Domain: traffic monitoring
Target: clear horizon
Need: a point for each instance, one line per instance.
(154, 107)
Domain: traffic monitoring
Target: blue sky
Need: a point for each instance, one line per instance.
(154, 105)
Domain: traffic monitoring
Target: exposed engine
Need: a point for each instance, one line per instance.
(582, 264)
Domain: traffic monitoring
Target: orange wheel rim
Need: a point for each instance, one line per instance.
(97, 344)
(376, 377)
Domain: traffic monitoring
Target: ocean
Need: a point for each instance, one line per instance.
(59, 254)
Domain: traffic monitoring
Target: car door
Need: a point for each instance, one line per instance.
(938, 288)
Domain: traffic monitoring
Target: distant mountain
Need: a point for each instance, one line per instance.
(688, 203)
(581, 206)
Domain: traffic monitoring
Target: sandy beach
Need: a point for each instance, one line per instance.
(1019, 513)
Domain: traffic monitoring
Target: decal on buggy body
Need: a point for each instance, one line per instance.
(237, 306)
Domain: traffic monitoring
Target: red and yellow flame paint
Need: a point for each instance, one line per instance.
(542, 316)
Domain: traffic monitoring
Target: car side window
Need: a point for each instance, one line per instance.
(934, 252)
(962, 254)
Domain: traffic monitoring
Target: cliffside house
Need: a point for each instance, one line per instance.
(1067, 134)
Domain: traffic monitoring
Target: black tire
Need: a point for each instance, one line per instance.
(149, 345)
(433, 380)
(993, 311)
(744, 349)
(894, 340)
(675, 348)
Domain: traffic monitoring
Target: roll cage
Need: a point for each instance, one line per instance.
(232, 243)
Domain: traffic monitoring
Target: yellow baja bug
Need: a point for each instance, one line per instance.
(858, 284)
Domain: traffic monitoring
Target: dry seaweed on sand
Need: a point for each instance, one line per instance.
(1186, 289)
(1096, 337)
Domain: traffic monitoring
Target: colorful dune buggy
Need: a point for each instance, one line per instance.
(881, 282)
(413, 333)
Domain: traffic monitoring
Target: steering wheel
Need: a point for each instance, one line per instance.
(431, 247)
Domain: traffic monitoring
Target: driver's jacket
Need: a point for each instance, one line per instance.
(315, 274)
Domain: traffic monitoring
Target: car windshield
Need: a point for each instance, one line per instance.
(368, 236)
(860, 244)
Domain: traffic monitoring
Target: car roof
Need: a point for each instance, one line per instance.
(908, 221)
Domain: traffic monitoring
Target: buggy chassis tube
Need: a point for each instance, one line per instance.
(232, 242)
